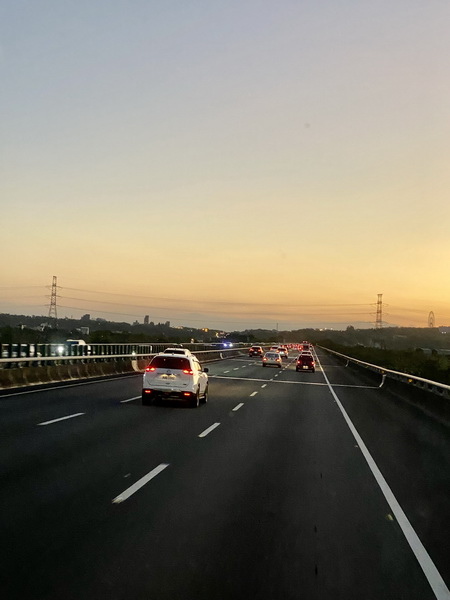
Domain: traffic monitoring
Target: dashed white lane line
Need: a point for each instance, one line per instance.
(141, 482)
(61, 419)
(238, 406)
(236, 369)
(130, 399)
(253, 394)
(264, 385)
(317, 383)
(226, 371)
(205, 433)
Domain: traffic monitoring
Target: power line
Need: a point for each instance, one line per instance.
(172, 308)
(221, 302)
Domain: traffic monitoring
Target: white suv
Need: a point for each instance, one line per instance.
(173, 376)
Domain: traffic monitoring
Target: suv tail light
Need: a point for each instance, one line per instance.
(150, 369)
(188, 372)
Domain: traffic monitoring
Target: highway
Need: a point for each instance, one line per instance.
(284, 485)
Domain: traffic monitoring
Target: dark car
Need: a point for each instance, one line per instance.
(305, 362)
(255, 351)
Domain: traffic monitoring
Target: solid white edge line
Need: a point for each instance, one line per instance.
(60, 387)
(253, 394)
(433, 576)
(205, 433)
(141, 482)
(238, 406)
(61, 419)
(130, 399)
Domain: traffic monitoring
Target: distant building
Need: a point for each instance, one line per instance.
(86, 317)
(167, 323)
(84, 330)
(146, 320)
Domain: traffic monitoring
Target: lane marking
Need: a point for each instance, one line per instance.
(364, 387)
(61, 419)
(59, 387)
(236, 369)
(141, 482)
(264, 385)
(433, 576)
(253, 394)
(130, 399)
(226, 371)
(205, 433)
(238, 406)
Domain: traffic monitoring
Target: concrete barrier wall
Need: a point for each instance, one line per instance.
(29, 376)
(431, 397)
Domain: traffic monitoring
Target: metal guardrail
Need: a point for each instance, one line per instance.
(428, 385)
(35, 355)
(58, 369)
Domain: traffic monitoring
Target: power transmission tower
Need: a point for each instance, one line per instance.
(379, 319)
(431, 319)
(52, 313)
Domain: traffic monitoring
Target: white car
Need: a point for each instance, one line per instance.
(175, 377)
(182, 351)
(272, 359)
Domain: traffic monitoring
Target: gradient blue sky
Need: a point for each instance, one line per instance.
(226, 163)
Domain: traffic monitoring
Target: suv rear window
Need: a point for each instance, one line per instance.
(170, 362)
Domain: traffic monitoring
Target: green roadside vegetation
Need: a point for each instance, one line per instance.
(432, 365)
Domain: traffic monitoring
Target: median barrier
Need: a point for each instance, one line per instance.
(88, 368)
(31, 376)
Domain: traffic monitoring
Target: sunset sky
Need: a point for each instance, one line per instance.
(226, 164)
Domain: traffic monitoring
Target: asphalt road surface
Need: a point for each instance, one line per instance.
(315, 486)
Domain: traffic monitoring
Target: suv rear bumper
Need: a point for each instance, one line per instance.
(151, 394)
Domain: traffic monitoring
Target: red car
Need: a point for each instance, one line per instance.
(305, 362)
(255, 351)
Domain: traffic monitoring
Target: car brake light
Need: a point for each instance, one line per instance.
(188, 372)
(186, 393)
(147, 391)
(150, 369)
